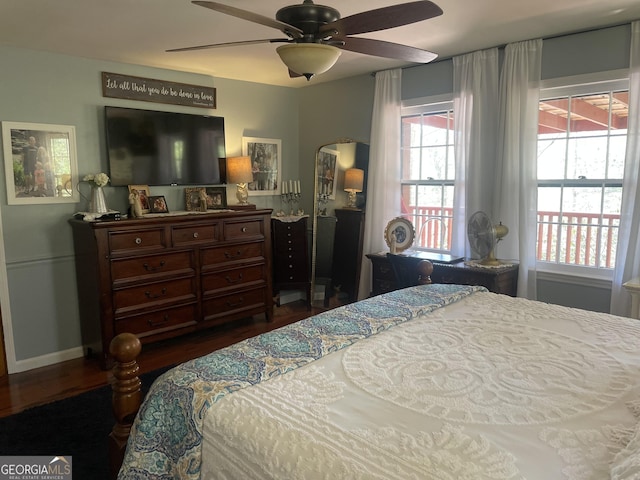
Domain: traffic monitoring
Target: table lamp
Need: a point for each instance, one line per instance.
(353, 183)
(239, 172)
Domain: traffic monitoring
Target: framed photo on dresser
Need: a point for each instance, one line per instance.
(143, 192)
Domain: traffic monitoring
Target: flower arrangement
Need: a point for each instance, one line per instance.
(98, 179)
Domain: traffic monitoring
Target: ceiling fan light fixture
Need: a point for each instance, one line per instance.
(308, 59)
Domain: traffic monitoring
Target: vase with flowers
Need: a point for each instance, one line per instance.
(97, 202)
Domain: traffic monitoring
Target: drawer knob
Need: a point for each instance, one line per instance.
(235, 304)
(158, 323)
(162, 293)
(195, 234)
(138, 240)
(150, 268)
(244, 229)
(234, 280)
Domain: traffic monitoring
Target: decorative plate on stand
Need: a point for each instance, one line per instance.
(403, 231)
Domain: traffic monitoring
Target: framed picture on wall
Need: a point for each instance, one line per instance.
(40, 163)
(327, 169)
(266, 164)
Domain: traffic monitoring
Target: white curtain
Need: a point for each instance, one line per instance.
(515, 202)
(383, 200)
(628, 251)
(475, 106)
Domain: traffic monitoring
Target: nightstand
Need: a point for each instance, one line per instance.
(502, 279)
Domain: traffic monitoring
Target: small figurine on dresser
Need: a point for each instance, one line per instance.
(393, 248)
(203, 200)
(136, 204)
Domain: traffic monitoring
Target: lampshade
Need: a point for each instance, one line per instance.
(239, 170)
(353, 180)
(308, 59)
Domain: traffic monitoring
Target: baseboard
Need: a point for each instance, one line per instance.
(48, 359)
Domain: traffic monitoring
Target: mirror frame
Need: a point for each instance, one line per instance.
(316, 206)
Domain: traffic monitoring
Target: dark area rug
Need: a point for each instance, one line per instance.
(76, 426)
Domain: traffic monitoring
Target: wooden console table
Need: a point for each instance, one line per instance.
(498, 280)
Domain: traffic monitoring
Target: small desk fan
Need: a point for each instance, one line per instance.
(483, 237)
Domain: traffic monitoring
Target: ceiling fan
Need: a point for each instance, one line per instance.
(315, 34)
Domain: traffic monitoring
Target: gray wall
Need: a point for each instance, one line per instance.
(591, 52)
(46, 88)
(564, 56)
(38, 87)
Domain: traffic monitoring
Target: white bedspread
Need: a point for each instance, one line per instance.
(491, 387)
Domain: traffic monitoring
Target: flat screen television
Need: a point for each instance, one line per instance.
(147, 147)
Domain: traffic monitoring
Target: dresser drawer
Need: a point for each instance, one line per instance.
(236, 253)
(232, 278)
(233, 303)
(291, 273)
(136, 241)
(288, 232)
(194, 234)
(152, 294)
(243, 229)
(149, 266)
(149, 323)
(289, 243)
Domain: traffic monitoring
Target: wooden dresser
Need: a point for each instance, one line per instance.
(498, 280)
(166, 276)
(291, 255)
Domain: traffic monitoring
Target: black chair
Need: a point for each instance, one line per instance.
(409, 271)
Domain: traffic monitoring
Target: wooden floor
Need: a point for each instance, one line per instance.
(20, 391)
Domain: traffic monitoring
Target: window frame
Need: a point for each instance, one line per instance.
(426, 106)
(578, 86)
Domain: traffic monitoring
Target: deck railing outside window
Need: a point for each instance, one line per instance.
(568, 237)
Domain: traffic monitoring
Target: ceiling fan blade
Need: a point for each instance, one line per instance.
(380, 48)
(230, 44)
(382, 18)
(287, 29)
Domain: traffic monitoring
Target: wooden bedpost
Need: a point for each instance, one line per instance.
(126, 397)
(425, 269)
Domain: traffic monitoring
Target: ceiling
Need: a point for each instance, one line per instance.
(139, 32)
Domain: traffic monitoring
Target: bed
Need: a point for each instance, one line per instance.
(429, 382)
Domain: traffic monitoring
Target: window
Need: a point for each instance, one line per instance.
(582, 135)
(428, 174)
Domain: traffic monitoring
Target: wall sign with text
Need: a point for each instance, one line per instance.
(115, 85)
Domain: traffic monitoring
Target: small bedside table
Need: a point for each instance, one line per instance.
(503, 279)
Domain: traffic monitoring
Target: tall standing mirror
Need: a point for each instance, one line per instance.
(338, 221)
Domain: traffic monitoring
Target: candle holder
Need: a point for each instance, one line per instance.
(291, 199)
